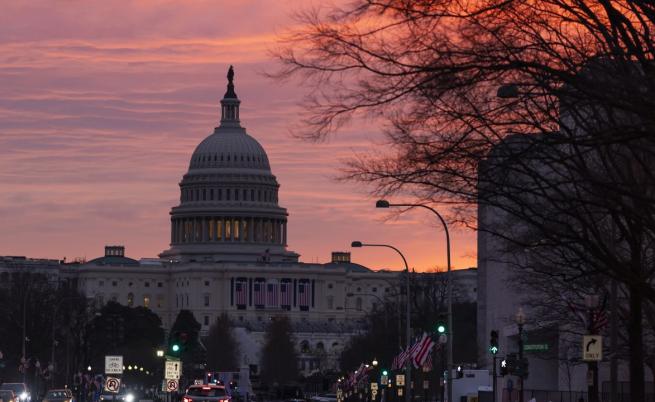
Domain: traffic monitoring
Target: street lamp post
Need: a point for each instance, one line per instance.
(449, 340)
(408, 329)
(591, 302)
(520, 321)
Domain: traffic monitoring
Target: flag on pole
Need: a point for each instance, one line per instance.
(423, 350)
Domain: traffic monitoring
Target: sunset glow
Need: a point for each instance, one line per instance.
(103, 104)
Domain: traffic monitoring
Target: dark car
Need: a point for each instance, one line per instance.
(206, 393)
(123, 396)
(59, 395)
(7, 395)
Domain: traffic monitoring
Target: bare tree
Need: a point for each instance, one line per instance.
(581, 96)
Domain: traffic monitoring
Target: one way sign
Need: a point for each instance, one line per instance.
(592, 348)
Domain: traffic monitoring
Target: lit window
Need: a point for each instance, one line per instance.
(130, 299)
(146, 301)
(206, 300)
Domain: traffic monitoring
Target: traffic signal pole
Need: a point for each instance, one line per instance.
(494, 385)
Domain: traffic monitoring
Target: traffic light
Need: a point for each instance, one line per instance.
(175, 348)
(493, 342)
(385, 372)
(441, 328)
(503, 367)
(460, 372)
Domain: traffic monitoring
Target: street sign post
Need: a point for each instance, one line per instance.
(172, 369)
(113, 384)
(113, 364)
(400, 380)
(592, 348)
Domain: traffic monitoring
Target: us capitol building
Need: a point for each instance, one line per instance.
(228, 254)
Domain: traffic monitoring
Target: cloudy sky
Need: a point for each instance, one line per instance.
(103, 102)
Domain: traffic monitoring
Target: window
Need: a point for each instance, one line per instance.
(160, 301)
(159, 284)
(130, 299)
(101, 283)
(187, 300)
(236, 194)
(329, 286)
(374, 289)
(114, 298)
(304, 347)
(147, 284)
(114, 283)
(330, 302)
(146, 301)
(227, 194)
(100, 300)
(206, 300)
(220, 194)
(204, 194)
(211, 194)
(129, 284)
(358, 304)
(206, 283)
(206, 320)
(228, 229)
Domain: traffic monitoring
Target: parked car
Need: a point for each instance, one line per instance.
(59, 395)
(19, 389)
(7, 395)
(206, 393)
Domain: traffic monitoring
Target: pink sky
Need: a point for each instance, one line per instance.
(102, 104)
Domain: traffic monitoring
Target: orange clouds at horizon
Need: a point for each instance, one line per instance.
(102, 107)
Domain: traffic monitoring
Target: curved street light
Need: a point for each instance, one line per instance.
(449, 340)
(408, 329)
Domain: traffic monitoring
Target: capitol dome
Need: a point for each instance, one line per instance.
(228, 207)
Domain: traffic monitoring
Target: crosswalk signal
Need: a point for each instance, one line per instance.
(503, 367)
(493, 342)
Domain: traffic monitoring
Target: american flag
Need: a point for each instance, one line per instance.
(271, 294)
(285, 294)
(408, 354)
(241, 292)
(424, 349)
(259, 292)
(303, 294)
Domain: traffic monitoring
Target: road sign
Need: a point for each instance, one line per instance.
(113, 364)
(172, 385)
(592, 348)
(400, 380)
(374, 393)
(173, 369)
(374, 386)
(535, 347)
(113, 384)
